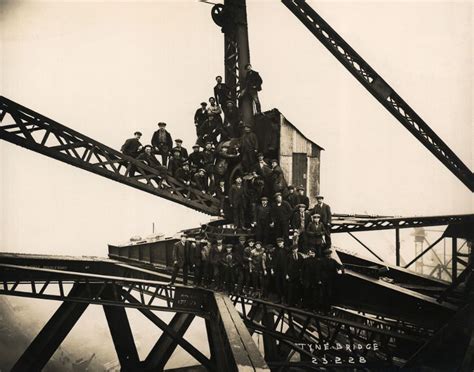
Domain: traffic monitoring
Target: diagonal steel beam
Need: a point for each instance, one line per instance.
(166, 345)
(121, 332)
(27, 121)
(380, 89)
(200, 357)
(41, 349)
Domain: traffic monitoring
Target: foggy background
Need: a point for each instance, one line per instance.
(110, 68)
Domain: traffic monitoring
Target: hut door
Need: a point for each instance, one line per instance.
(300, 166)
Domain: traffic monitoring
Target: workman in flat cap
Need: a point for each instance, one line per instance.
(324, 211)
(162, 142)
(281, 214)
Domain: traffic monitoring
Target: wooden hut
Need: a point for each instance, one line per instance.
(299, 157)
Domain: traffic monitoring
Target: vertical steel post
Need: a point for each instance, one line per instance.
(237, 40)
(397, 246)
(454, 260)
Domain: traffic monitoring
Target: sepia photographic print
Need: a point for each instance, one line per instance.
(236, 185)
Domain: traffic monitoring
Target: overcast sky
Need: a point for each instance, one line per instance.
(109, 68)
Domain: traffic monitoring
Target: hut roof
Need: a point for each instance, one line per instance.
(277, 112)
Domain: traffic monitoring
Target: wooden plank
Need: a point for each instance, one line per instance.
(246, 354)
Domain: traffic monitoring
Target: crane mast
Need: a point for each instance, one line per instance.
(232, 18)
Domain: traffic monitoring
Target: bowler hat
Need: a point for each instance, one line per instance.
(319, 197)
(161, 124)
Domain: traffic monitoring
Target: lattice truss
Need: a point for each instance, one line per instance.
(114, 292)
(231, 63)
(26, 128)
(380, 89)
(284, 330)
(288, 334)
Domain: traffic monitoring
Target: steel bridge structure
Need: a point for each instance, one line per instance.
(364, 330)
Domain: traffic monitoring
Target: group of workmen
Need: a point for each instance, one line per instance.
(295, 268)
(223, 141)
(289, 258)
(275, 272)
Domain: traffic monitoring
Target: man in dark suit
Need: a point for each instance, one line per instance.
(181, 259)
(324, 211)
(301, 198)
(222, 92)
(263, 220)
(222, 195)
(253, 85)
(293, 276)
(232, 119)
(237, 202)
(180, 148)
(196, 159)
(278, 181)
(149, 159)
(280, 264)
(281, 213)
(249, 148)
(299, 221)
(162, 142)
(132, 147)
(291, 197)
(183, 174)
(200, 116)
(311, 280)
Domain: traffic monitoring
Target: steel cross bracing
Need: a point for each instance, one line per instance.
(283, 328)
(230, 343)
(289, 325)
(41, 134)
(380, 89)
(293, 327)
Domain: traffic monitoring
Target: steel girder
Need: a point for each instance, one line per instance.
(289, 330)
(348, 223)
(51, 284)
(45, 136)
(451, 348)
(231, 345)
(380, 89)
(399, 275)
